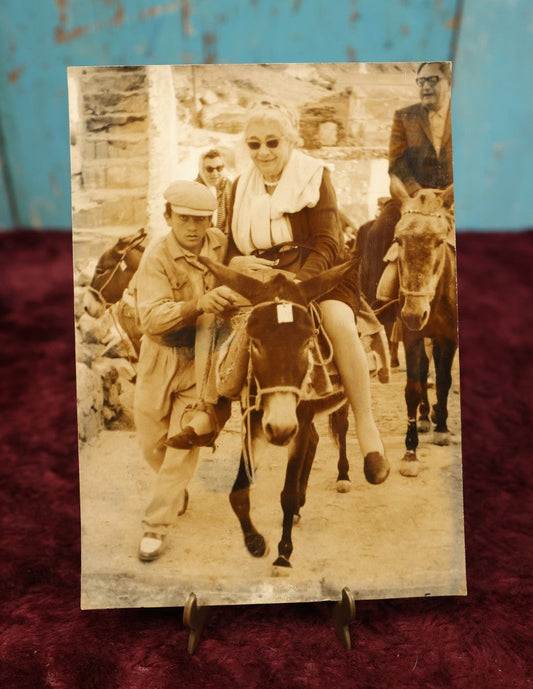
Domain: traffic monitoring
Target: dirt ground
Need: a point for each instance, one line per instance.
(401, 538)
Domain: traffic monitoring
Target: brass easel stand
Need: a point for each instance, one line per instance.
(194, 617)
(343, 612)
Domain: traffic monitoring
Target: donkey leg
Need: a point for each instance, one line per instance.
(240, 502)
(443, 353)
(310, 451)
(339, 430)
(423, 424)
(413, 393)
(290, 498)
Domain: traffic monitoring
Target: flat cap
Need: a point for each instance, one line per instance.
(190, 198)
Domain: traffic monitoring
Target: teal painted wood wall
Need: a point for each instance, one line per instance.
(490, 41)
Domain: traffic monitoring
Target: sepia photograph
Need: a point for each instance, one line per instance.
(265, 304)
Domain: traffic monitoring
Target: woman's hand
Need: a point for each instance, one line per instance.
(251, 264)
(219, 300)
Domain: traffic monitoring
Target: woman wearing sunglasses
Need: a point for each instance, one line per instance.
(283, 214)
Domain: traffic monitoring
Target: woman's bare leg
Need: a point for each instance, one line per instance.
(351, 360)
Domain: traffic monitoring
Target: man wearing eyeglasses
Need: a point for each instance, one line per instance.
(420, 154)
(211, 174)
(420, 148)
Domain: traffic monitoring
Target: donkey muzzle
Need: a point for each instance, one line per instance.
(415, 312)
(280, 423)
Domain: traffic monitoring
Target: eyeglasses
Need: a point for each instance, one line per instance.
(210, 168)
(256, 145)
(432, 81)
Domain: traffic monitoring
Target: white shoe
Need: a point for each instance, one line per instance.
(151, 546)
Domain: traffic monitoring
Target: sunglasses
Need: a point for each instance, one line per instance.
(432, 81)
(256, 145)
(210, 168)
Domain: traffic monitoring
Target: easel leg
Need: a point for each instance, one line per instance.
(194, 617)
(343, 613)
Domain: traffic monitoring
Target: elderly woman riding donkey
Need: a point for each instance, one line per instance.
(284, 216)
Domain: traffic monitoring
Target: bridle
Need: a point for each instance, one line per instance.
(121, 255)
(423, 293)
(253, 401)
(314, 313)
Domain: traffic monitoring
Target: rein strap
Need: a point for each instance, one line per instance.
(412, 293)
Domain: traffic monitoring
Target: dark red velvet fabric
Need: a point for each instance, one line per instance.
(480, 641)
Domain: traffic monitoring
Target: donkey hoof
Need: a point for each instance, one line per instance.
(256, 544)
(410, 466)
(376, 467)
(344, 486)
(441, 438)
(384, 375)
(281, 567)
(423, 425)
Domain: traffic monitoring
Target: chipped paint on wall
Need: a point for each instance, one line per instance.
(62, 34)
(159, 9)
(15, 74)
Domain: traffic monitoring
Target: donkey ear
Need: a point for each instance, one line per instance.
(447, 197)
(397, 189)
(246, 286)
(316, 287)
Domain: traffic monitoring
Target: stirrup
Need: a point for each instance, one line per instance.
(188, 438)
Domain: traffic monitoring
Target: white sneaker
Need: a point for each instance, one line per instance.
(151, 546)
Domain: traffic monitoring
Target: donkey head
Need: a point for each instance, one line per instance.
(421, 233)
(113, 272)
(280, 335)
(280, 331)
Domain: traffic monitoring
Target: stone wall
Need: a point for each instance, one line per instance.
(111, 135)
(105, 365)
